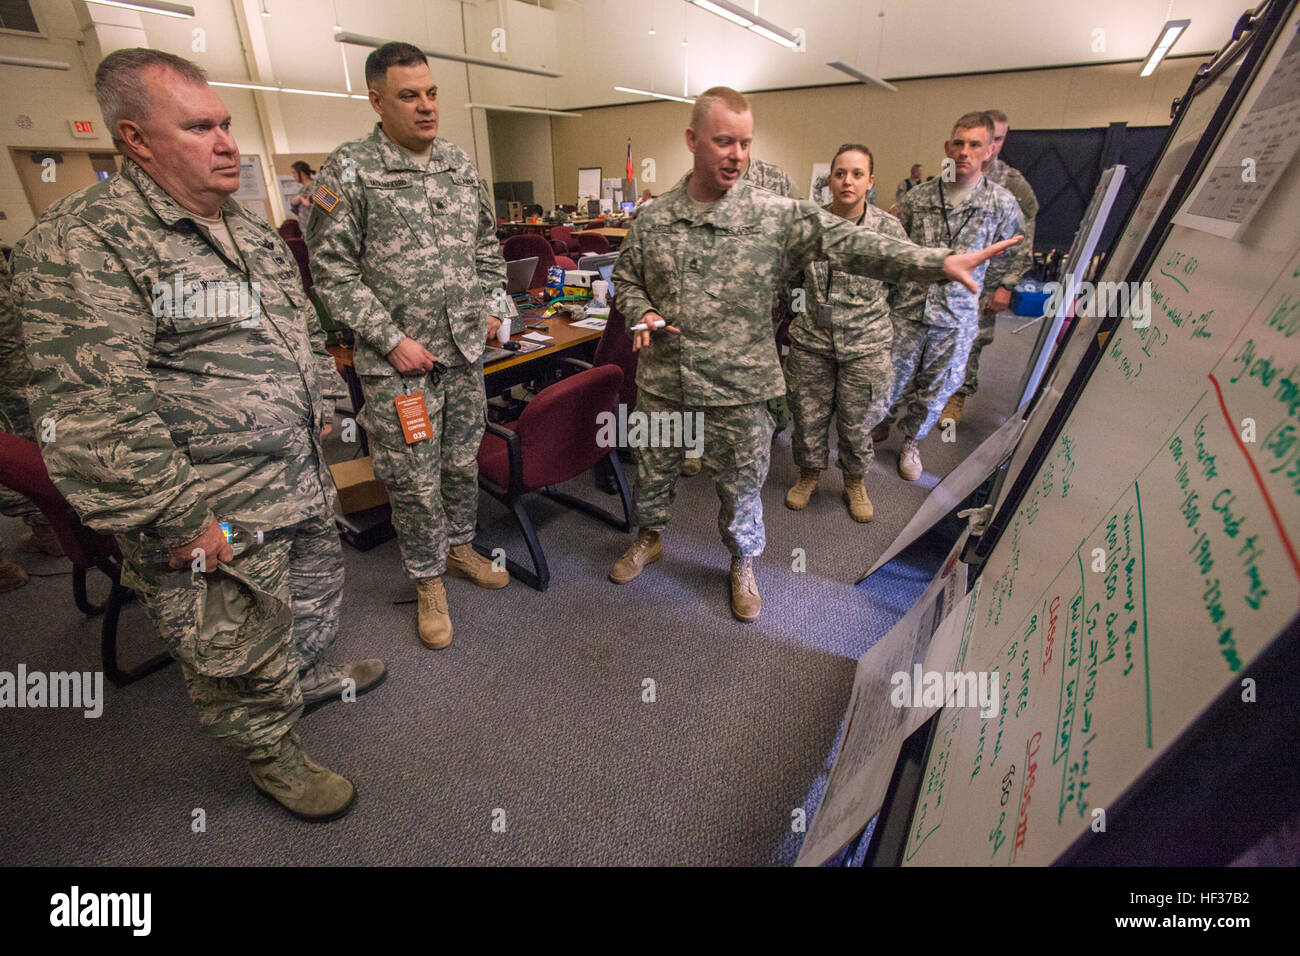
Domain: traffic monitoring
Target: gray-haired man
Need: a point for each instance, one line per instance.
(183, 372)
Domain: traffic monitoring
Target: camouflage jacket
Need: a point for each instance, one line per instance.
(987, 215)
(712, 275)
(860, 322)
(1014, 182)
(771, 177)
(169, 410)
(404, 251)
(14, 367)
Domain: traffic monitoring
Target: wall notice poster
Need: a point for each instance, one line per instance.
(819, 190)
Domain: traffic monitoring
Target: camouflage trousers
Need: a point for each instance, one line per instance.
(737, 453)
(243, 632)
(853, 391)
(432, 484)
(929, 365)
(988, 322)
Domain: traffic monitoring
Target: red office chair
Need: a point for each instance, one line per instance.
(564, 236)
(23, 470)
(564, 262)
(593, 245)
(525, 246)
(290, 229)
(553, 441)
(615, 348)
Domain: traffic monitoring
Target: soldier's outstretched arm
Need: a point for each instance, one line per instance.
(960, 266)
(87, 331)
(336, 240)
(629, 278)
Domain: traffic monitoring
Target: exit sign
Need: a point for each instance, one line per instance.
(83, 129)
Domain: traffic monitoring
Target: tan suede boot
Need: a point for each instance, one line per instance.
(855, 496)
(745, 600)
(464, 562)
(435, 621)
(324, 683)
(301, 785)
(647, 549)
(12, 576)
(953, 408)
(42, 540)
(909, 460)
(796, 499)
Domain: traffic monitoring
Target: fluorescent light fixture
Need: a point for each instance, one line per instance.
(857, 74)
(520, 109)
(359, 40)
(1169, 35)
(662, 96)
(178, 10)
(37, 64)
(284, 89)
(750, 21)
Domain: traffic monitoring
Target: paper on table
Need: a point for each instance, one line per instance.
(537, 337)
(589, 323)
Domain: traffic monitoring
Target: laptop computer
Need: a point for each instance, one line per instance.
(519, 275)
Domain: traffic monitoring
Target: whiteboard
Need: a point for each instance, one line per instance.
(1190, 128)
(1152, 560)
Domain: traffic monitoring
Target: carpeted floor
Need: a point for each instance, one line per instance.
(533, 717)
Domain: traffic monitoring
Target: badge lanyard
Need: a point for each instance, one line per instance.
(947, 230)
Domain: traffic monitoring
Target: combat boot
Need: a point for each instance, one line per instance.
(323, 683)
(464, 562)
(953, 408)
(855, 496)
(745, 600)
(880, 433)
(12, 576)
(647, 549)
(42, 540)
(435, 622)
(301, 785)
(691, 467)
(909, 460)
(796, 499)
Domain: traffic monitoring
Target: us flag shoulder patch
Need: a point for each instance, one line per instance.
(325, 199)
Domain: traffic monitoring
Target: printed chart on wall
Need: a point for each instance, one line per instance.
(1153, 558)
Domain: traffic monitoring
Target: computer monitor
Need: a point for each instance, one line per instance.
(519, 275)
(627, 208)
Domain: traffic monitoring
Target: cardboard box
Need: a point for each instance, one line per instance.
(357, 486)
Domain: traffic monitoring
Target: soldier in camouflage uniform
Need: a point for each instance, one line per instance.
(935, 324)
(839, 362)
(993, 301)
(771, 177)
(699, 267)
(184, 375)
(15, 419)
(404, 251)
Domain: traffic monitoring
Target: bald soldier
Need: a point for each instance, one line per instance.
(404, 252)
(184, 377)
(695, 279)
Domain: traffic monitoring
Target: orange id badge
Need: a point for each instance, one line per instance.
(414, 416)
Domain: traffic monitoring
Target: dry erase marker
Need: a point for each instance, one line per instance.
(654, 326)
